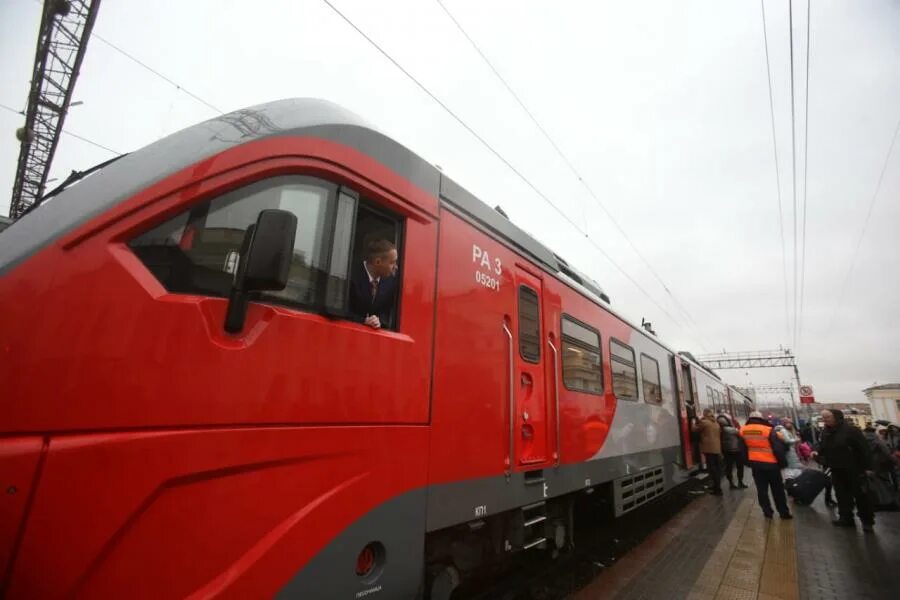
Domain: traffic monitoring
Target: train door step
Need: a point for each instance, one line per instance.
(534, 477)
(534, 517)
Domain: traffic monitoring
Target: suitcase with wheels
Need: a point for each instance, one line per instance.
(805, 487)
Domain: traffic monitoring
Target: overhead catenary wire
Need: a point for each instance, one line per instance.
(805, 181)
(689, 320)
(65, 131)
(502, 159)
(157, 73)
(862, 233)
(787, 318)
(793, 164)
(138, 61)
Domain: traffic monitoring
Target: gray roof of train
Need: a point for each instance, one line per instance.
(142, 168)
(138, 170)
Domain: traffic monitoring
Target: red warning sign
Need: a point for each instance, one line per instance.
(806, 394)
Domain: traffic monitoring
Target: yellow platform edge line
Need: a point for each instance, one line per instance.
(755, 559)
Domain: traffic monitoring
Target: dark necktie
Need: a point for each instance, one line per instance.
(374, 289)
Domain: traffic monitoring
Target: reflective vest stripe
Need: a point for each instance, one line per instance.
(759, 448)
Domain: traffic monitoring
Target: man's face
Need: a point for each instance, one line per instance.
(828, 418)
(385, 264)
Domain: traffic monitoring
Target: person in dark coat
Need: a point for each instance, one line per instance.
(806, 433)
(733, 451)
(884, 463)
(373, 285)
(845, 451)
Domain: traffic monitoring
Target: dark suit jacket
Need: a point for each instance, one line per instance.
(361, 301)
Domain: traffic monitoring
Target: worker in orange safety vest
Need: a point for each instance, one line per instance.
(765, 455)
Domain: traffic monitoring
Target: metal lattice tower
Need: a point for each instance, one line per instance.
(62, 40)
(749, 360)
(784, 387)
(764, 359)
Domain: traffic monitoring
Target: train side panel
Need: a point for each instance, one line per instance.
(184, 461)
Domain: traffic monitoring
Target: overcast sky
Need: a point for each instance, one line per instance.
(662, 107)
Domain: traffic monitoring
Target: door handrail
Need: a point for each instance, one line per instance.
(512, 402)
(556, 454)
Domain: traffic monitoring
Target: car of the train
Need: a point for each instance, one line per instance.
(193, 408)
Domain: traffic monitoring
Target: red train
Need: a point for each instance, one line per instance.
(191, 409)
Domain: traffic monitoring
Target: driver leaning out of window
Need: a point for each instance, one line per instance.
(373, 284)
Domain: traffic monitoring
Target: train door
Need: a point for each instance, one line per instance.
(729, 404)
(687, 412)
(530, 430)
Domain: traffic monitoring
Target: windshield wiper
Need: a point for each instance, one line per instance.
(72, 178)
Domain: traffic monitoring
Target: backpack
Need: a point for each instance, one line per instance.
(779, 448)
(731, 441)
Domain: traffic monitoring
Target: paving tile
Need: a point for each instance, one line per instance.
(725, 549)
(732, 593)
(838, 564)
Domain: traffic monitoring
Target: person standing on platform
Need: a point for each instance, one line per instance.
(732, 451)
(806, 433)
(763, 450)
(844, 449)
(788, 435)
(711, 447)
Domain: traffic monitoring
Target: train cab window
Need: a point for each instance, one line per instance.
(529, 325)
(650, 380)
(375, 233)
(624, 372)
(197, 251)
(581, 366)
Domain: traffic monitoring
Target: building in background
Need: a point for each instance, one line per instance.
(857, 408)
(885, 401)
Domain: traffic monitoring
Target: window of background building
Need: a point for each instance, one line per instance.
(581, 364)
(624, 372)
(529, 325)
(650, 379)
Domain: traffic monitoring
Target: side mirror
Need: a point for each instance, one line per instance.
(265, 261)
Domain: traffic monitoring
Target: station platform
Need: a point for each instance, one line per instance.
(724, 548)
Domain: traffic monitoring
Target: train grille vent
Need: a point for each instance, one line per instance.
(633, 491)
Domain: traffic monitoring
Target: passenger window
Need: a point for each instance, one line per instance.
(710, 400)
(529, 325)
(624, 372)
(650, 377)
(581, 365)
(198, 251)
